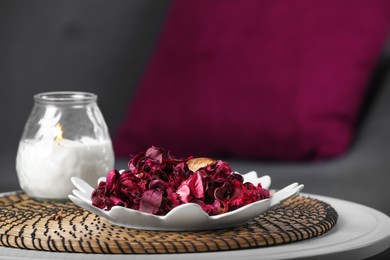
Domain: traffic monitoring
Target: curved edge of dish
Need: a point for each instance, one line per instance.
(185, 217)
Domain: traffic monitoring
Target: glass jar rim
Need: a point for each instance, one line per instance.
(65, 97)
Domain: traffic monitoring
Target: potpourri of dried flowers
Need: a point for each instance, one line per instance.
(156, 182)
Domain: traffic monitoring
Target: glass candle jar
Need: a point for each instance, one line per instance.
(65, 136)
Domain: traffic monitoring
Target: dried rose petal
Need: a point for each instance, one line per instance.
(114, 201)
(98, 198)
(111, 179)
(155, 154)
(151, 201)
(191, 188)
(158, 185)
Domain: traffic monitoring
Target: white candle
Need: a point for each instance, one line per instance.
(45, 167)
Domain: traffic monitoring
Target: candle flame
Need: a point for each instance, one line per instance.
(59, 133)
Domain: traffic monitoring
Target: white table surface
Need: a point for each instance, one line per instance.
(360, 232)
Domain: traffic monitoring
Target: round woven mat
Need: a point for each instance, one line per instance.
(65, 227)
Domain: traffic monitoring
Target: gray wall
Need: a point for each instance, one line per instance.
(95, 46)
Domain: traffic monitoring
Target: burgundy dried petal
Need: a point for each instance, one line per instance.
(237, 190)
(135, 161)
(236, 176)
(97, 198)
(211, 186)
(192, 187)
(184, 192)
(158, 185)
(250, 186)
(114, 201)
(222, 193)
(196, 186)
(111, 179)
(212, 209)
(151, 201)
(173, 198)
(127, 189)
(264, 193)
(155, 153)
(102, 185)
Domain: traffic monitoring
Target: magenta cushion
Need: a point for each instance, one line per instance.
(276, 80)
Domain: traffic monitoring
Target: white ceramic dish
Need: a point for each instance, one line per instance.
(185, 217)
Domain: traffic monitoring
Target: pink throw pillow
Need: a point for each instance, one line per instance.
(273, 80)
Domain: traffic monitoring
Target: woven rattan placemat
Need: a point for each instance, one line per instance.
(63, 226)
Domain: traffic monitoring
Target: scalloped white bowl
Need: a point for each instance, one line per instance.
(185, 217)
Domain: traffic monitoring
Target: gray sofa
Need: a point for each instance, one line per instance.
(103, 48)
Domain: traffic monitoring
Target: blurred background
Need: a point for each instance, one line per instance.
(88, 46)
(104, 47)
